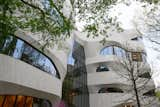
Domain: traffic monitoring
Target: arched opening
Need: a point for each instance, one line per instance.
(113, 50)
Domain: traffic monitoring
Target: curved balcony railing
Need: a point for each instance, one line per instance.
(20, 49)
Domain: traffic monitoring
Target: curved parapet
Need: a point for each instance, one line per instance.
(58, 56)
(20, 78)
(28, 71)
(107, 61)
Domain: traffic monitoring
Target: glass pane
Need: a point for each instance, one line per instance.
(29, 102)
(20, 101)
(71, 60)
(107, 51)
(19, 49)
(9, 101)
(2, 98)
(119, 51)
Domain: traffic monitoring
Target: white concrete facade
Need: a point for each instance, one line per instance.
(98, 80)
(20, 78)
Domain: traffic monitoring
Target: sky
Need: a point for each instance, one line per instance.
(127, 13)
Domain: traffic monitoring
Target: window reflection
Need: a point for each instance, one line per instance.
(113, 50)
(19, 49)
(107, 51)
(119, 51)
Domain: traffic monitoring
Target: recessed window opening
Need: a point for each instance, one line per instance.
(110, 90)
(102, 68)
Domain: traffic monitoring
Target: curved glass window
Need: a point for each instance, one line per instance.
(110, 90)
(107, 51)
(19, 49)
(119, 51)
(113, 50)
(22, 101)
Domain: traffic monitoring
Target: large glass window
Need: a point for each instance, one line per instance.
(22, 101)
(107, 51)
(113, 50)
(119, 51)
(20, 49)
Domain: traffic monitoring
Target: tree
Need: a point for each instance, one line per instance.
(133, 69)
(35, 16)
(47, 17)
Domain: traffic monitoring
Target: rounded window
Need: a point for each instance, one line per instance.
(113, 50)
(19, 49)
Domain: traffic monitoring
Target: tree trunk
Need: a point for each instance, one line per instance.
(135, 90)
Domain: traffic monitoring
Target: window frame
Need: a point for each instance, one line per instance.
(39, 51)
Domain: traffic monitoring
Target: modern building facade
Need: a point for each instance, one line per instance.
(29, 76)
(32, 77)
(105, 83)
(75, 87)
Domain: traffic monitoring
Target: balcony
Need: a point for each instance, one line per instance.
(18, 77)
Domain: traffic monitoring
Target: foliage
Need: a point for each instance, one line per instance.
(158, 94)
(95, 16)
(44, 17)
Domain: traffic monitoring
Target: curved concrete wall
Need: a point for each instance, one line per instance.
(98, 80)
(58, 56)
(109, 77)
(107, 99)
(18, 77)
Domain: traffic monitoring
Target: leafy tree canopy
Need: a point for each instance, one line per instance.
(46, 16)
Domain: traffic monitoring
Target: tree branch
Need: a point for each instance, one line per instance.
(35, 7)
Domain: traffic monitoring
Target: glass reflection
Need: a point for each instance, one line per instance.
(113, 50)
(107, 51)
(19, 49)
(119, 51)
